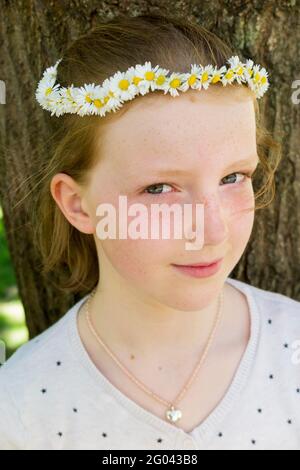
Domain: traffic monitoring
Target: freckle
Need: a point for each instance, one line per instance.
(132, 356)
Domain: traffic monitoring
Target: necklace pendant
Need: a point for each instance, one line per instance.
(173, 415)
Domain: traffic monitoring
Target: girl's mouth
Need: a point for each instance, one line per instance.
(199, 271)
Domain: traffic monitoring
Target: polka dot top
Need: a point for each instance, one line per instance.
(53, 397)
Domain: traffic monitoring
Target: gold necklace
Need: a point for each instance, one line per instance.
(172, 413)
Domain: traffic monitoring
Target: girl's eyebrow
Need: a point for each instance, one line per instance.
(245, 161)
(180, 171)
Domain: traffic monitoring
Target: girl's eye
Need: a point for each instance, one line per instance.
(158, 186)
(245, 175)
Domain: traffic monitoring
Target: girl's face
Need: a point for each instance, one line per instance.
(195, 148)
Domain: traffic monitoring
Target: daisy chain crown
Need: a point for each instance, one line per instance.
(91, 99)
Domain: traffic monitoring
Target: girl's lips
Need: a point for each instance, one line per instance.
(200, 271)
(200, 264)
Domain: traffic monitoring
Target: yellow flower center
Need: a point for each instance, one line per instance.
(240, 70)
(124, 84)
(256, 77)
(88, 99)
(229, 74)
(192, 79)
(264, 80)
(136, 80)
(108, 96)
(204, 77)
(98, 103)
(48, 91)
(149, 75)
(175, 83)
(216, 78)
(160, 80)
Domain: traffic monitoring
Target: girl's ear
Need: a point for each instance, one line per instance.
(68, 196)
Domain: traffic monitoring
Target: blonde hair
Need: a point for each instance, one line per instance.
(174, 44)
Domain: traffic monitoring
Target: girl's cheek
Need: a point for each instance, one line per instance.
(240, 201)
(240, 216)
(132, 259)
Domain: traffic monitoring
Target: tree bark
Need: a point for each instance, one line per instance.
(32, 35)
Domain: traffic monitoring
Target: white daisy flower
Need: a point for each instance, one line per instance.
(238, 68)
(256, 77)
(135, 78)
(228, 77)
(51, 72)
(176, 81)
(259, 81)
(161, 77)
(68, 96)
(85, 96)
(217, 74)
(205, 76)
(112, 101)
(57, 107)
(121, 86)
(248, 68)
(148, 77)
(233, 61)
(47, 93)
(264, 78)
(192, 78)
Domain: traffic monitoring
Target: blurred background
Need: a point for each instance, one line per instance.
(13, 330)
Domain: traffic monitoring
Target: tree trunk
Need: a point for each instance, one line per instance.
(32, 35)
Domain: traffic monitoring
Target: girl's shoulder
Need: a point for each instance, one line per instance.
(267, 301)
(276, 315)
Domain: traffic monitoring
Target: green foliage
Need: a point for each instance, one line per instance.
(13, 330)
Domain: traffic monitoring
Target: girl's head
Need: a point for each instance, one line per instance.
(155, 149)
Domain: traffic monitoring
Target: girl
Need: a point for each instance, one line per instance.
(157, 354)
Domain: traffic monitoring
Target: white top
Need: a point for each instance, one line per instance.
(52, 396)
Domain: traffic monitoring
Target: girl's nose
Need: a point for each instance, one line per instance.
(215, 229)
